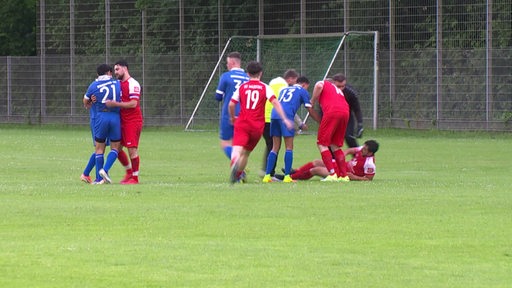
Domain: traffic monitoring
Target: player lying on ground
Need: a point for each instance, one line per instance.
(360, 168)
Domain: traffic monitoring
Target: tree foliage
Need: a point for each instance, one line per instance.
(17, 28)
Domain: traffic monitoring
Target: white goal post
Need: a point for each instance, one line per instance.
(317, 56)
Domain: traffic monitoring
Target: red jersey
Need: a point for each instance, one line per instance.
(252, 96)
(332, 100)
(131, 91)
(360, 165)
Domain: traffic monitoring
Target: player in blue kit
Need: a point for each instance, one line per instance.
(291, 98)
(228, 84)
(108, 121)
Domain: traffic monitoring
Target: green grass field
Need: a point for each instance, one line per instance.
(438, 214)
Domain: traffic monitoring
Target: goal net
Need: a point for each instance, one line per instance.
(315, 56)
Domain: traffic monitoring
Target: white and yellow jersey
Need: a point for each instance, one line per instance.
(276, 84)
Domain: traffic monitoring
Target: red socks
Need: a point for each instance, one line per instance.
(340, 161)
(327, 159)
(135, 167)
(303, 173)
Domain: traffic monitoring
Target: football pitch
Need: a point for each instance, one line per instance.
(438, 214)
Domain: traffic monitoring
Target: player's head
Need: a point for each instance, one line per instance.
(254, 69)
(290, 76)
(372, 146)
(303, 81)
(234, 60)
(104, 69)
(339, 80)
(121, 70)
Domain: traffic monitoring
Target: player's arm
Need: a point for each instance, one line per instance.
(87, 102)
(314, 114)
(231, 110)
(219, 95)
(221, 89)
(319, 86)
(123, 105)
(366, 177)
(297, 120)
(300, 123)
(350, 151)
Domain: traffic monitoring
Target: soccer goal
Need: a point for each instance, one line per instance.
(316, 56)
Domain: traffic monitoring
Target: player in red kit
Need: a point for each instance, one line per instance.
(249, 124)
(360, 168)
(331, 132)
(131, 121)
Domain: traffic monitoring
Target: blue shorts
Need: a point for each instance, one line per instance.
(107, 126)
(91, 124)
(278, 129)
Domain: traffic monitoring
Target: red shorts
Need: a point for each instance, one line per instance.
(131, 134)
(332, 129)
(247, 137)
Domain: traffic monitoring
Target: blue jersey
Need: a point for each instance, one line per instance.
(291, 98)
(228, 84)
(104, 88)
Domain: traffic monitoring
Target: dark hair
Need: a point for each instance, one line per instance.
(103, 69)
(339, 77)
(122, 62)
(372, 145)
(290, 73)
(303, 79)
(254, 67)
(235, 54)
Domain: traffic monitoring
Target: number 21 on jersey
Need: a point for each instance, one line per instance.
(110, 93)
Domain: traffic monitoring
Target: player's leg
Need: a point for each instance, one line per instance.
(350, 136)
(85, 177)
(268, 147)
(276, 133)
(132, 143)
(115, 140)
(125, 161)
(236, 154)
(123, 157)
(305, 171)
(226, 136)
(337, 143)
(114, 135)
(288, 135)
(100, 134)
(324, 136)
(272, 159)
(319, 171)
(111, 158)
(135, 159)
(100, 150)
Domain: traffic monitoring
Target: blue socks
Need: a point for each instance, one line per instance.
(288, 161)
(271, 161)
(99, 165)
(90, 164)
(111, 158)
(227, 151)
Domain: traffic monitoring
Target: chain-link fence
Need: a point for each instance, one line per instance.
(443, 64)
